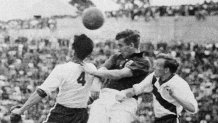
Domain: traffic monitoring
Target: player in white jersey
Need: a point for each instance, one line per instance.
(171, 93)
(74, 87)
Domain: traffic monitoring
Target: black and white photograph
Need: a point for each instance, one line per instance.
(108, 61)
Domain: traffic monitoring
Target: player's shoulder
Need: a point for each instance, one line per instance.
(58, 66)
(139, 61)
(115, 56)
(179, 78)
(179, 81)
(63, 65)
(91, 65)
(138, 57)
(150, 76)
(66, 65)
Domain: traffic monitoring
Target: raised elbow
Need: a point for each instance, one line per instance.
(193, 110)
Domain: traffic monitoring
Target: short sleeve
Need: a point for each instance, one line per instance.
(138, 67)
(53, 81)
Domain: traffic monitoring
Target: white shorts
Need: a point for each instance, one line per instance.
(107, 110)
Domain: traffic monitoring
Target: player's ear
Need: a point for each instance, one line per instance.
(132, 44)
(167, 70)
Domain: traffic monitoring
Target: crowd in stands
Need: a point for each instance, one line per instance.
(35, 23)
(136, 8)
(129, 8)
(25, 64)
(144, 8)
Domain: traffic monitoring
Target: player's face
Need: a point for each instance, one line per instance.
(159, 69)
(124, 49)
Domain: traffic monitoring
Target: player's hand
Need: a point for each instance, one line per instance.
(120, 96)
(170, 91)
(16, 111)
(15, 115)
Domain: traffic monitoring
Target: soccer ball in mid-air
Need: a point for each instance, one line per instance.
(92, 18)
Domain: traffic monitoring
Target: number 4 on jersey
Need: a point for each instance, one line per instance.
(81, 79)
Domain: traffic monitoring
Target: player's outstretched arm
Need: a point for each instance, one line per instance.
(32, 100)
(144, 86)
(50, 84)
(104, 72)
(114, 74)
(111, 74)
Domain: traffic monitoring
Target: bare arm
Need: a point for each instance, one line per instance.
(113, 74)
(51, 83)
(33, 99)
(104, 71)
(144, 86)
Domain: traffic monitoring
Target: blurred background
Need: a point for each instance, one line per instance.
(36, 35)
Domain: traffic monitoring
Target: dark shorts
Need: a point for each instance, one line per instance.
(61, 114)
(167, 119)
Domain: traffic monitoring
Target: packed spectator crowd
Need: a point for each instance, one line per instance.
(129, 8)
(34, 23)
(136, 8)
(25, 64)
(144, 8)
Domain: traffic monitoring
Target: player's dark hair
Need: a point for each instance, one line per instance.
(82, 45)
(170, 62)
(129, 36)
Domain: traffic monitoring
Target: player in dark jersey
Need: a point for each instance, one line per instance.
(122, 71)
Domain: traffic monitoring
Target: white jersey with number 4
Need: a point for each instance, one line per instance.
(73, 83)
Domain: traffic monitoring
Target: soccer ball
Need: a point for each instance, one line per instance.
(92, 18)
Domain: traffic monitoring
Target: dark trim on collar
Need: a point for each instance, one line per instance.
(136, 55)
(119, 56)
(133, 55)
(162, 82)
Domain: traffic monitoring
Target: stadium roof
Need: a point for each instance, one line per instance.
(15, 9)
(47, 8)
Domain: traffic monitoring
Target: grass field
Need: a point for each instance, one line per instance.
(163, 29)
